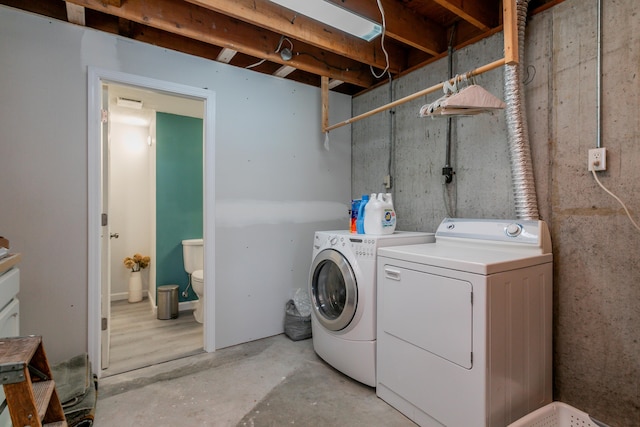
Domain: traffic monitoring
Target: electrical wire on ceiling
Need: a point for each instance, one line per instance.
(286, 53)
(386, 55)
(262, 61)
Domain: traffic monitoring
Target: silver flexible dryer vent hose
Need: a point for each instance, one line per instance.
(518, 133)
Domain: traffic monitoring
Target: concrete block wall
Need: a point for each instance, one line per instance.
(596, 248)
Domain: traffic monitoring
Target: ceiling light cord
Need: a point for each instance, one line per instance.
(386, 55)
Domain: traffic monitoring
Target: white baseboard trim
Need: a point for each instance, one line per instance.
(119, 296)
(182, 306)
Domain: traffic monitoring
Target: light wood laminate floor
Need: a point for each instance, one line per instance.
(139, 339)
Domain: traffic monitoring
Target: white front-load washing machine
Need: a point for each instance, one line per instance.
(342, 286)
(464, 324)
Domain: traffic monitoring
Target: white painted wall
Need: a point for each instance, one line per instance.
(270, 161)
(129, 202)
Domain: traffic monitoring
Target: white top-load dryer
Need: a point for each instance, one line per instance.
(464, 324)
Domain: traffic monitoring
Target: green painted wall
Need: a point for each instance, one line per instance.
(179, 194)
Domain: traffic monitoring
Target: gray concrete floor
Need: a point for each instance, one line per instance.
(269, 382)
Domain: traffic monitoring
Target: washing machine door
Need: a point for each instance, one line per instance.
(334, 292)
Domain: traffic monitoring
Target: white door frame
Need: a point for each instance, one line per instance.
(96, 77)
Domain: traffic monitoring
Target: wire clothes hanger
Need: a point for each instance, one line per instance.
(462, 97)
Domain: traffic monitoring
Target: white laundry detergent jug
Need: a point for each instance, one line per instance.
(379, 216)
(388, 214)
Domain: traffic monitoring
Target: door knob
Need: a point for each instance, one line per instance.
(114, 235)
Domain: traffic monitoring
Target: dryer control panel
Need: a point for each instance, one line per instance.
(529, 233)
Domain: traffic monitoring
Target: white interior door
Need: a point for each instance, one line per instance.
(105, 276)
(98, 247)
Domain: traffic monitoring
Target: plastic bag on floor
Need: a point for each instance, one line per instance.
(297, 325)
(302, 302)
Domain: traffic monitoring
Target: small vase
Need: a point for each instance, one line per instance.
(135, 287)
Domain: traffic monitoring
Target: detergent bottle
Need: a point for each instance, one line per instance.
(355, 208)
(373, 215)
(360, 219)
(388, 213)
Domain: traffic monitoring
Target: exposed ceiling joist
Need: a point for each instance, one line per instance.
(191, 21)
(75, 14)
(283, 21)
(402, 24)
(226, 55)
(473, 12)
(284, 71)
(252, 33)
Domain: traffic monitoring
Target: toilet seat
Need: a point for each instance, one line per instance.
(198, 275)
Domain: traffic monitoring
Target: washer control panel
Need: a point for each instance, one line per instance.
(363, 247)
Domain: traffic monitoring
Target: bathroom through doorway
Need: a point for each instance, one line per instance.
(122, 163)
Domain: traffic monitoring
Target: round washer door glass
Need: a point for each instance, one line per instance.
(334, 292)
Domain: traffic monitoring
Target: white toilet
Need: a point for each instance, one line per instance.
(193, 258)
(197, 283)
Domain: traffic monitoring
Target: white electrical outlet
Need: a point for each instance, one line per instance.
(387, 181)
(597, 159)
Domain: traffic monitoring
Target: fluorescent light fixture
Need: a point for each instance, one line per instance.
(334, 16)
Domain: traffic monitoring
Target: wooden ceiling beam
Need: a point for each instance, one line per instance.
(476, 13)
(226, 55)
(204, 25)
(75, 14)
(401, 24)
(271, 16)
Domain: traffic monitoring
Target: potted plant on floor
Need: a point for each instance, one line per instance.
(136, 263)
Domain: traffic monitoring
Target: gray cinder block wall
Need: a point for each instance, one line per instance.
(596, 249)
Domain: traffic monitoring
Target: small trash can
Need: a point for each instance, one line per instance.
(167, 302)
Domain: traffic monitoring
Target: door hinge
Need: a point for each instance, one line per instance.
(104, 116)
(104, 219)
(104, 324)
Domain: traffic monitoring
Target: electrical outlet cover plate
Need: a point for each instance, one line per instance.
(597, 159)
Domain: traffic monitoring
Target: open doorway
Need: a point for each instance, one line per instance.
(154, 172)
(106, 269)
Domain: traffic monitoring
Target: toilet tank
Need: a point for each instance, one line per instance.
(193, 255)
